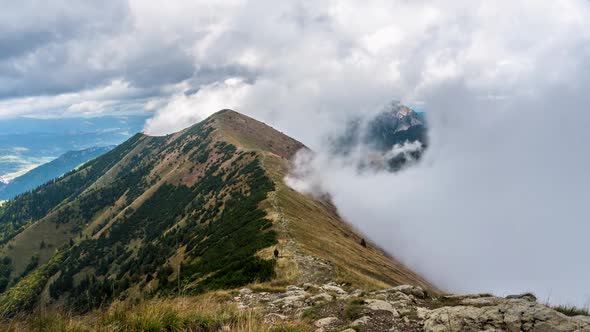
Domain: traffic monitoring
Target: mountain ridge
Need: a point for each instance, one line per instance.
(197, 231)
(155, 209)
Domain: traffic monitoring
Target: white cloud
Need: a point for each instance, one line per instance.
(183, 110)
(90, 102)
(498, 202)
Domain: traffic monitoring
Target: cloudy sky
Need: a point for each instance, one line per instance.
(289, 60)
(499, 202)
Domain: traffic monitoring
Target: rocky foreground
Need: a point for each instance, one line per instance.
(333, 307)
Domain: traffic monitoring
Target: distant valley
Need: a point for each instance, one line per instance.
(46, 172)
(26, 143)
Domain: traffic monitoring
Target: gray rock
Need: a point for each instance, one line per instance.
(410, 290)
(290, 296)
(292, 288)
(422, 312)
(505, 315)
(325, 322)
(322, 297)
(331, 287)
(361, 321)
(245, 291)
(292, 299)
(482, 301)
(525, 296)
(274, 318)
(380, 305)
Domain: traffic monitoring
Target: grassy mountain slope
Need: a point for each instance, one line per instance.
(198, 210)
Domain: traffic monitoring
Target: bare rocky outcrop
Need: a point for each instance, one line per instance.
(501, 315)
(333, 307)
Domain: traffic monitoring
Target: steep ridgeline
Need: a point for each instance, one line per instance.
(198, 210)
(46, 172)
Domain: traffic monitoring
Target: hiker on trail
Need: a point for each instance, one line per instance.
(276, 253)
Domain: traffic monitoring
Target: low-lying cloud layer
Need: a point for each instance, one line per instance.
(498, 200)
(497, 203)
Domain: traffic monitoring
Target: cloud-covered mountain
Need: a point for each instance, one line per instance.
(389, 139)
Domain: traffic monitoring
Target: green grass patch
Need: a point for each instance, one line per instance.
(23, 296)
(570, 310)
(313, 312)
(354, 309)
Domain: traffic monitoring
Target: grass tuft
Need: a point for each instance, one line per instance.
(354, 309)
(570, 310)
(313, 311)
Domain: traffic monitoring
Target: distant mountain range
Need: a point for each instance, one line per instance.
(46, 172)
(26, 142)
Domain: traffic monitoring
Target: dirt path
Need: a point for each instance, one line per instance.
(311, 269)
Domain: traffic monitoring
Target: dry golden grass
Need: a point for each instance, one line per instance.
(286, 269)
(320, 232)
(210, 312)
(251, 134)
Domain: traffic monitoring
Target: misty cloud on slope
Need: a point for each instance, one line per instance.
(495, 204)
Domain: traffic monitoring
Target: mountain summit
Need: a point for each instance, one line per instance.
(198, 210)
(399, 117)
(396, 124)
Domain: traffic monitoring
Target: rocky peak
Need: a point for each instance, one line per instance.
(406, 117)
(394, 118)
